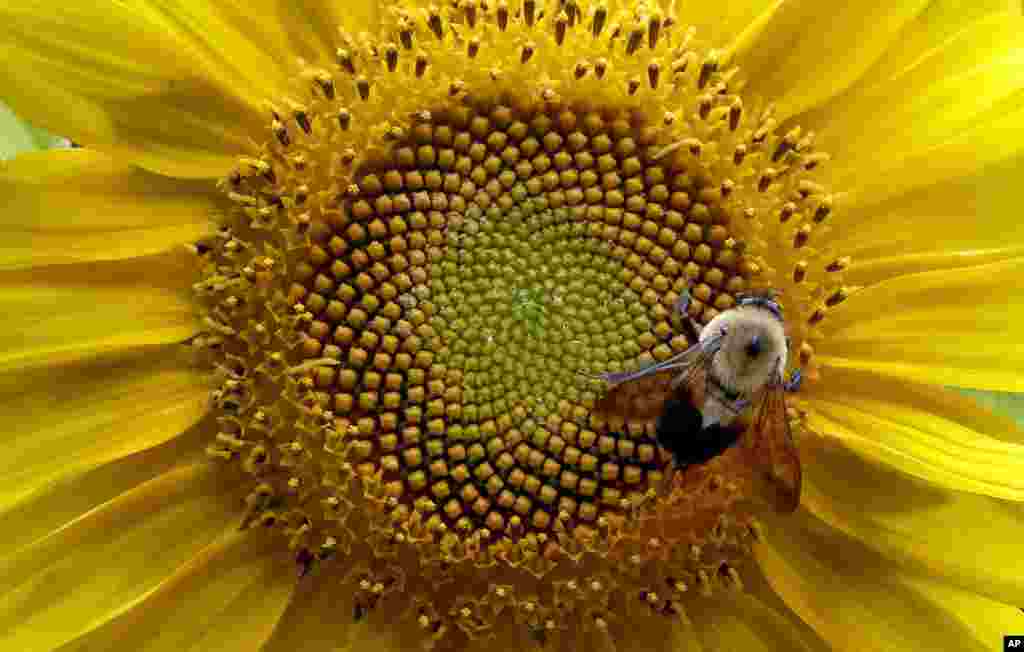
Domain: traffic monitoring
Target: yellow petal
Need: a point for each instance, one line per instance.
(834, 582)
(930, 41)
(949, 104)
(728, 25)
(359, 12)
(944, 405)
(226, 598)
(71, 495)
(322, 19)
(683, 636)
(100, 564)
(867, 271)
(927, 432)
(60, 313)
(321, 617)
(1005, 403)
(77, 205)
(739, 621)
(855, 495)
(65, 420)
(182, 96)
(971, 220)
(988, 620)
(950, 327)
(798, 66)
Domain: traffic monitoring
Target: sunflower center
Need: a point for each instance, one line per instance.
(418, 281)
(473, 277)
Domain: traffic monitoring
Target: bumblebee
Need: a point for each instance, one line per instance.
(701, 398)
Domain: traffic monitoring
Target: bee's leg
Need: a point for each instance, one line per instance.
(794, 382)
(692, 327)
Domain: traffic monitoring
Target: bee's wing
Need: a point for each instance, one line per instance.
(678, 362)
(640, 398)
(775, 457)
(641, 394)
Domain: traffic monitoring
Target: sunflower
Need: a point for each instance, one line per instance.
(296, 349)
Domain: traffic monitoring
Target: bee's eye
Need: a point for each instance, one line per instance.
(753, 347)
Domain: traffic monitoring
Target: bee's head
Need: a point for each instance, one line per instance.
(765, 301)
(753, 349)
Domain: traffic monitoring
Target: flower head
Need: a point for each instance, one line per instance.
(433, 225)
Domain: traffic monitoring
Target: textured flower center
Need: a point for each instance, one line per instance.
(427, 260)
(495, 256)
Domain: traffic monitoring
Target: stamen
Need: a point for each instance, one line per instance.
(391, 56)
(598, 21)
(800, 271)
(838, 265)
(502, 13)
(435, 24)
(735, 113)
(837, 297)
(363, 87)
(561, 25)
(708, 68)
(653, 73)
(302, 118)
(653, 31)
(344, 59)
(529, 9)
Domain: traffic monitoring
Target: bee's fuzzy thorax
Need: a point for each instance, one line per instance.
(732, 365)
